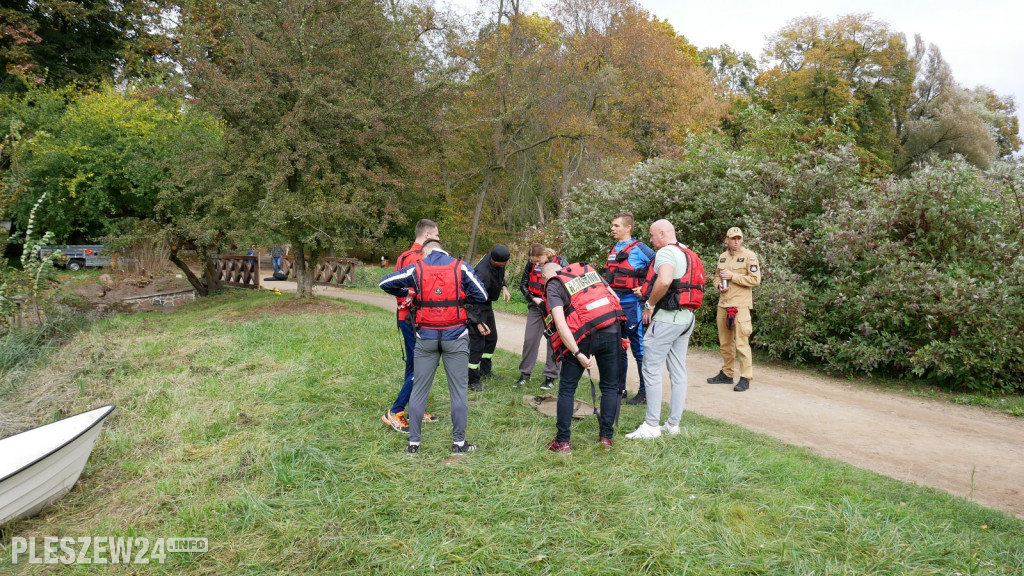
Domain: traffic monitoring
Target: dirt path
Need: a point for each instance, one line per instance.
(926, 442)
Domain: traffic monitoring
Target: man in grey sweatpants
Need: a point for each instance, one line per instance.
(455, 355)
(666, 338)
(443, 285)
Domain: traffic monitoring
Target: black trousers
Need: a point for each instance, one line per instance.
(481, 348)
(604, 347)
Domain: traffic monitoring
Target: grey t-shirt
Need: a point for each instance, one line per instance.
(674, 256)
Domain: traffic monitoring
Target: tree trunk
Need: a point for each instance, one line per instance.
(200, 287)
(474, 231)
(305, 268)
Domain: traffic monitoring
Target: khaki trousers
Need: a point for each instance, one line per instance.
(735, 342)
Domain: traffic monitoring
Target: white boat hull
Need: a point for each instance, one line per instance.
(39, 466)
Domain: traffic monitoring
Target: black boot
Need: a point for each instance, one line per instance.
(742, 385)
(640, 398)
(720, 378)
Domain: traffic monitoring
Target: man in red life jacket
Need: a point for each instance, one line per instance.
(532, 286)
(444, 287)
(587, 318)
(669, 326)
(396, 416)
(625, 270)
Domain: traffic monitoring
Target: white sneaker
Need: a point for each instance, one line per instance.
(645, 431)
(669, 429)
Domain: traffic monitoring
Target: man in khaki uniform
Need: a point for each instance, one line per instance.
(737, 273)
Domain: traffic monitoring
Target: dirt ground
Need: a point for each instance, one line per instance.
(112, 287)
(967, 451)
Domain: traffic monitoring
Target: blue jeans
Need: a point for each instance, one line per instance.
(604, 346)
(277, 263)
(409, 336)
(634, 330)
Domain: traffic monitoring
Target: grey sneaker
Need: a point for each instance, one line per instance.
(548, 384)
(522, 381)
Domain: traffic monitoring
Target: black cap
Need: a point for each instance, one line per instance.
(500, 253)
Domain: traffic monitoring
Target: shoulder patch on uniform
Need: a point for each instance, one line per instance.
(721, 259)
(740, 259)
(753, 267)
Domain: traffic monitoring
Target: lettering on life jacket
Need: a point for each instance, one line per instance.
(590, 306)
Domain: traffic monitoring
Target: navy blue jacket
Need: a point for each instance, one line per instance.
(398, 283)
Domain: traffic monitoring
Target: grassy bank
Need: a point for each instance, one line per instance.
(253, 420)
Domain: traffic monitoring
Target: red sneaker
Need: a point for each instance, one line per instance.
(560, 447)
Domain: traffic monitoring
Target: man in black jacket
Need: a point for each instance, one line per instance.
(484, 337)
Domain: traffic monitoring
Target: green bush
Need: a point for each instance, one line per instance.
(916, 278)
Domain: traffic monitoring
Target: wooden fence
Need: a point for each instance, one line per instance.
(237, 271)
(329, 271)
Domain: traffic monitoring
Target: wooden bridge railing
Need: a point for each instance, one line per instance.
(237, 271)
(329, 271)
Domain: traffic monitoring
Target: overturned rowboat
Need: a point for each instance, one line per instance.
(40, 465)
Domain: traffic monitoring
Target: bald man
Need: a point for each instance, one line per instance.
(667, 336)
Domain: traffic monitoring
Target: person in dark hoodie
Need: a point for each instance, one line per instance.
(484, 337)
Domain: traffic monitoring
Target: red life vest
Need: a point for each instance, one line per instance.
(535, 280)
(410, 256)
(687, 291)
(621, 274)
(439, 296)
(590, 306)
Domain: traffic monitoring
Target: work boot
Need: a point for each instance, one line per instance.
(742, 385)
(476, 387)
(640, 398)
(720, 378)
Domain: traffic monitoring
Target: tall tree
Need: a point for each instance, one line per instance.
(328, 112)
(97, 156)
(57, 42)
(854, 73)
(944, 118)
(735, 73)
(582, 93)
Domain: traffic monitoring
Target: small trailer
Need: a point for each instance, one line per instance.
(76, 257)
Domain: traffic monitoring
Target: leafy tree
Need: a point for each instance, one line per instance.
(98, 158)
(853, 73)
(945, 119)
(57, 42)
(582, 93)
(735, 73)
(1000, 112)
(328, 110)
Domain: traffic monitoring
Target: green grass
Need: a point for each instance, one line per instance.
(253, 420)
